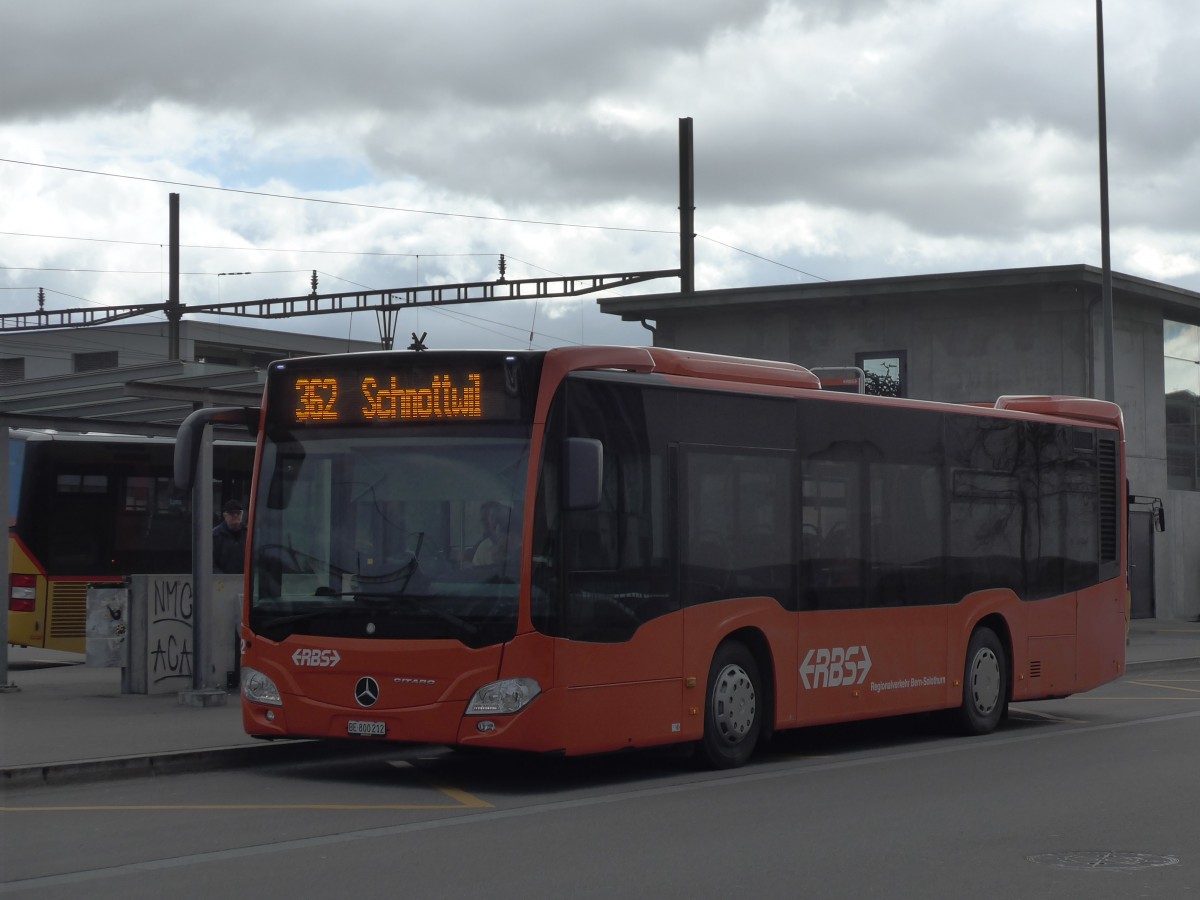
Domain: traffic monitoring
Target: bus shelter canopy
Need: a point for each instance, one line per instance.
(151, 399)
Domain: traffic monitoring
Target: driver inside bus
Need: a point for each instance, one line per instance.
(491, 550)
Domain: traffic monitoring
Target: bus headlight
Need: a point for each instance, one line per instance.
(503, 697)
(258, 688)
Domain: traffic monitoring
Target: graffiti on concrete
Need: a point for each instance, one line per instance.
(107, 626)
(170, 637)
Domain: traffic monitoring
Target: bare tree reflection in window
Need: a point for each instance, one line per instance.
(883, 376)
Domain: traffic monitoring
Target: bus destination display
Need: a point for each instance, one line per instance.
(361, 396)
(384, 398)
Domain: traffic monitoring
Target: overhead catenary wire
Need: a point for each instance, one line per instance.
(142, 271)
(378, 253)
(242, 248)
(345, 203)
(373, 206)
(360, 253)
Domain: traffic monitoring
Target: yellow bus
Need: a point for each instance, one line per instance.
(94, 508)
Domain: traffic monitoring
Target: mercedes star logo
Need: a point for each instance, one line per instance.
(366, 692)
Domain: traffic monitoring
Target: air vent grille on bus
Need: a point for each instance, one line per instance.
(68, 609)
(1035, 668)
(1109, 526)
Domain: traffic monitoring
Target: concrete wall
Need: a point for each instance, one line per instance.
(1138, 376)
(1177, 558)
(957, 349)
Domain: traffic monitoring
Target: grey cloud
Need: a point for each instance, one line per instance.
(519, 167)
(278, 58)
(972, 124)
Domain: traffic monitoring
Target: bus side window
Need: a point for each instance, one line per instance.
(832, 568)
(737, 519)
(906, 535)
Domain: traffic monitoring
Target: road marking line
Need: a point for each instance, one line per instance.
(1169, 687)
(469, 801)
(465, 800)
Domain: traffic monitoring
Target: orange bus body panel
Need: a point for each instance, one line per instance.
(855, 666)
(1102, 625)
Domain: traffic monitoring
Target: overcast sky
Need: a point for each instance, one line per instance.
(834, 139)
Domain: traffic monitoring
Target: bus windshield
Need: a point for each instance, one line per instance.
(387, 535)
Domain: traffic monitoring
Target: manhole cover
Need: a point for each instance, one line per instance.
(1107, 860)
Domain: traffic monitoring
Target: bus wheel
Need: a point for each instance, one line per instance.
(733, 708)
(985, 684)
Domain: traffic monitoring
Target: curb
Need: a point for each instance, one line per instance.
(183, 761)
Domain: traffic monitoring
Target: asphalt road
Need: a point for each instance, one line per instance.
(1096, 796)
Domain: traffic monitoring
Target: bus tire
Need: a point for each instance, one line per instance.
(985, 684)
(733, 708)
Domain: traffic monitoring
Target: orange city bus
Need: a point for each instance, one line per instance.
(92, 509)
(596, 548)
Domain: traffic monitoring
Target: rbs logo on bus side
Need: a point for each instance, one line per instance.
(835, 667)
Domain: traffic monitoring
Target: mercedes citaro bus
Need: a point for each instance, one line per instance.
(589, 549)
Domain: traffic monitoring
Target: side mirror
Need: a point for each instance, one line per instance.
(584, 475)
(191, 433)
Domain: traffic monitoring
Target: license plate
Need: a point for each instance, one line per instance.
(379, 729)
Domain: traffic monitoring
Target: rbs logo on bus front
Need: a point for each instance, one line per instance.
(825, 667)
(311, 656)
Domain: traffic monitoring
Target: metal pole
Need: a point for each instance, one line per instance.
(687, 210)
(1110, 381)
(5, 566)
(205, 688)
(174, 313)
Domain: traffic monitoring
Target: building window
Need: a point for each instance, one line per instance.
(79, 483)
(1181, 371)
(244, 358)
(94, 362)
(886, 372)
(12, 369)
